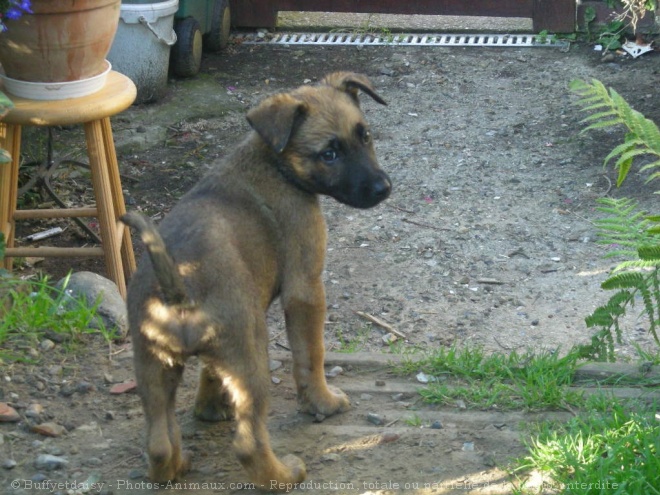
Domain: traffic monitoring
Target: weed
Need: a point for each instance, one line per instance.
(414, 421)
(34, 308)
(351, 345)
(599, 453)
(528, 380)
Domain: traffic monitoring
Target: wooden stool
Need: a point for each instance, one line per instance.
(94, 112)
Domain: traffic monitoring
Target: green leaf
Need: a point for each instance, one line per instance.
(627, 280)
(601, 125)
(622, 148)
(598, 116)
(5, 104)
(651, 253)
(5, 157)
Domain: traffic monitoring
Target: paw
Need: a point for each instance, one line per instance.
(292, 471)
(297, 467)
(212, 405)
(328, 402)
(211, 412)
(175, 468)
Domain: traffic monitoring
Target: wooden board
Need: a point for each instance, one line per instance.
(550, 15)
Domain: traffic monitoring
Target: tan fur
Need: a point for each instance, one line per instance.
(250, 231)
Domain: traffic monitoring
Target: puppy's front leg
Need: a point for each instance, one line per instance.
(304, 309)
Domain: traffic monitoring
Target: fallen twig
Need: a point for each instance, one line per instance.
(419, 224)
(381, 323)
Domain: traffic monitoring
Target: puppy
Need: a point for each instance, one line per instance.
(250, 231)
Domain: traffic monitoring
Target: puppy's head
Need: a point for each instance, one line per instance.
(322, 140)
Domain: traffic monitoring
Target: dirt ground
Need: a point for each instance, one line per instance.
(487, 239)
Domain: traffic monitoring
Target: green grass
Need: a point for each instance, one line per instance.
(352, 345)
(527, 380)
(608, 447)
(613, 451)
(33, 308)
(414, 421)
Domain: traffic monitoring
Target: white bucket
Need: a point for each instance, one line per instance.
(141, 48)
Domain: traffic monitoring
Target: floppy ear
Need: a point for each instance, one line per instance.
(275, 118)
(350, 82)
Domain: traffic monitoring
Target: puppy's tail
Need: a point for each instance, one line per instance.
(171, 283)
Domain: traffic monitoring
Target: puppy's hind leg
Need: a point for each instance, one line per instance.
(247, 379)
(212, 402)
(157, 384)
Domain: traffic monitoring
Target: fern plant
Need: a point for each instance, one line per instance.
(632, 234)
(611, 109)
(635, 236)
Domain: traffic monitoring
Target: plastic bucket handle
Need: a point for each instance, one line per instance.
(142, 20)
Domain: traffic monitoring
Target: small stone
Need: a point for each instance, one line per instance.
(366, 397)
(54, 370)
(39, 477)
(34, 410)
(535, 323)
(108, 378)
(84, 387)
(336, 371)
(8, 414)
(424, 378)
(389, 338)
(389, 437)
(388, 72)
(380, 383)
(50, 462)
(275, 380)
(55, 450)
(468, 447)
(274, 364)
(461, 404)
(9, 464)
(93, 462)
(40, 386)
(46, 345)
(375, 419)
(436, 425)
(134, 474)
(122, 388)
(68, 390)
(110, 415)
(398, 397)
(49, 429)
(332, 457)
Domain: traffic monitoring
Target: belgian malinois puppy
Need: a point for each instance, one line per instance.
(250, 231)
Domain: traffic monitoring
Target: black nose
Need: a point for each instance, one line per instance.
(382, 188)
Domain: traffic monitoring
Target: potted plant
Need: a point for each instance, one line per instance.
(52, 41)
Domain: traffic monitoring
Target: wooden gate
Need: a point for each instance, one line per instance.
(556, 16)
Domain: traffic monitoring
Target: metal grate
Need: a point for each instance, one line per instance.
(329, 39)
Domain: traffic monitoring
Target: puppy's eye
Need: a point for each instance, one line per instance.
(366, 137)
(329, 155)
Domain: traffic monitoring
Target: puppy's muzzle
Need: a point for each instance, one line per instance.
(373, 191)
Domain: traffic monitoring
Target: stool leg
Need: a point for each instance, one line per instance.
(10, 140)
(104, 203)
(127, 255)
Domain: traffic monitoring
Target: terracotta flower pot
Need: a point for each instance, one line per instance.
(62, 40)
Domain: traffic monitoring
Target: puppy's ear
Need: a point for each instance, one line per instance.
(275, 118)
(350, 82)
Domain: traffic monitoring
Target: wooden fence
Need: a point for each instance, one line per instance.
(556, 16)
